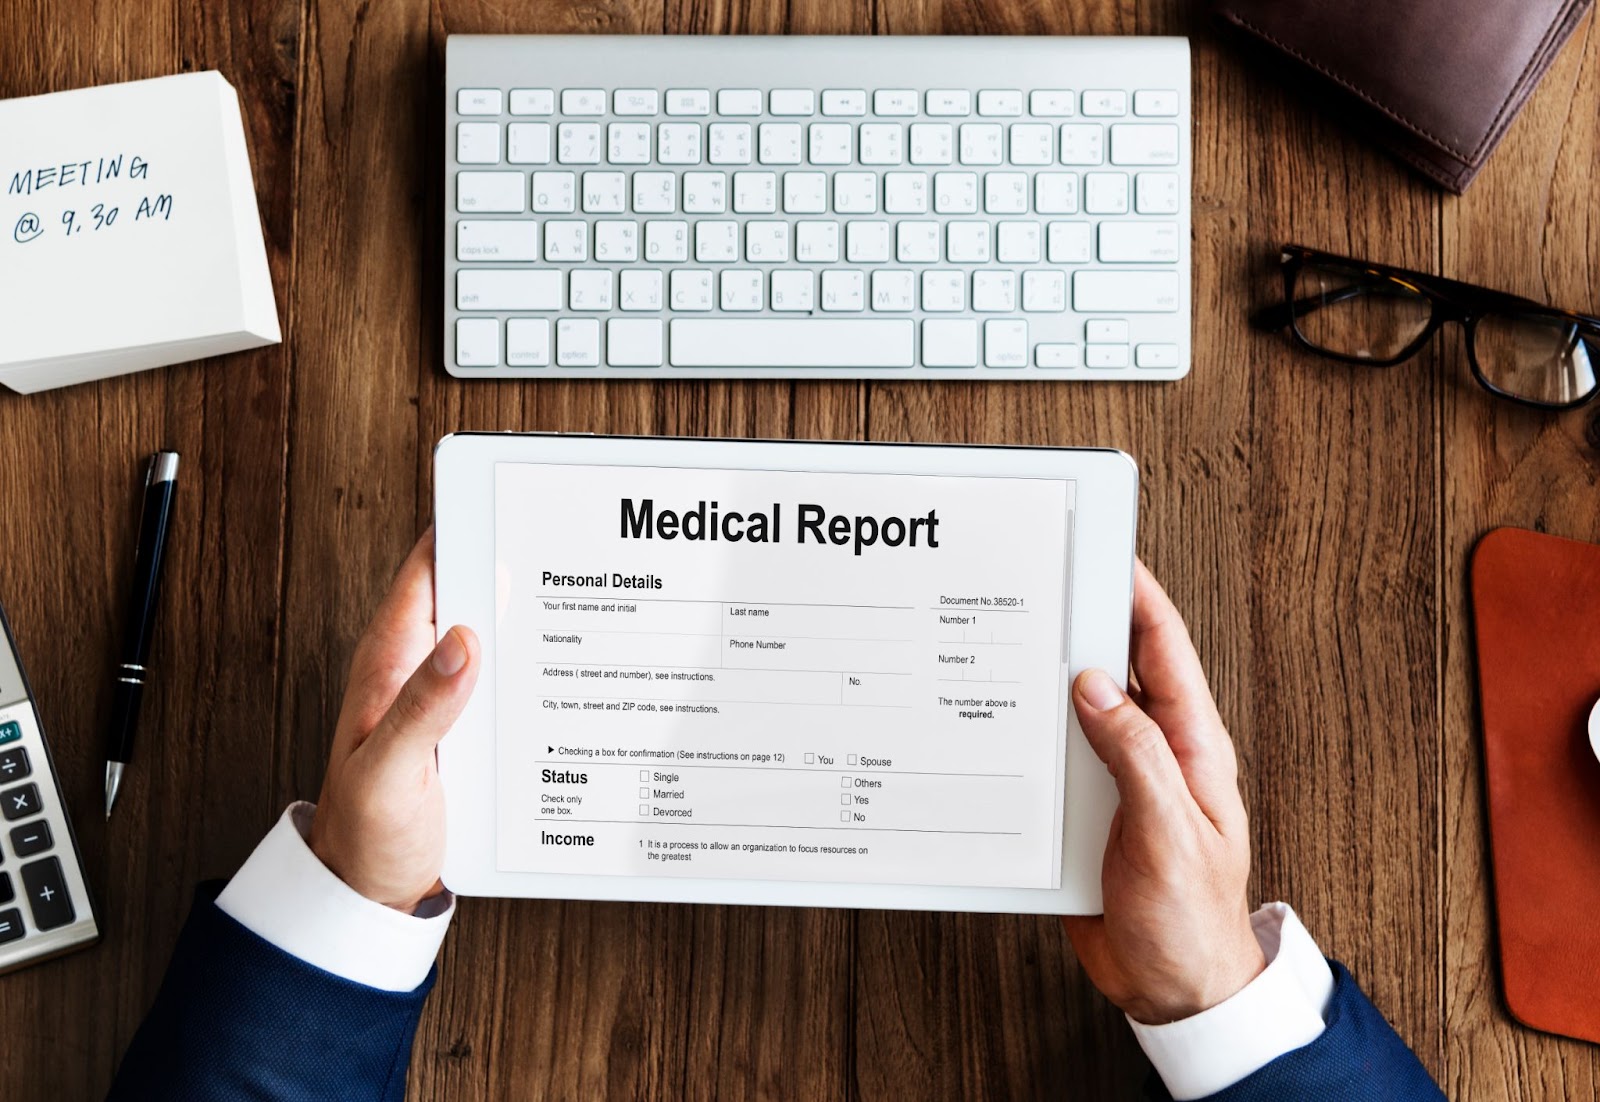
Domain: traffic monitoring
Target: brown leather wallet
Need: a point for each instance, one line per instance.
(1536, 607)
(1435, 81)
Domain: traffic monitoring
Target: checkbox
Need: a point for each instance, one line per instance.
(853, 760)
(845, 799)
(644, 774)
(644, 793)
(644, 809)
(844, 782)
(844, 816)
(811, 759)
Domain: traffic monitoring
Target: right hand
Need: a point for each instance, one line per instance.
(1175, 938)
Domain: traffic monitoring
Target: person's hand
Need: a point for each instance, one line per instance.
(379, 824)
(1175, 938)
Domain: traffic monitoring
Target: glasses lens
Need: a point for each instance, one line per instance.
(1351, 312)
(1538, 358)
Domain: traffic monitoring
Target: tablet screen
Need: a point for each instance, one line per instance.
(776, 675)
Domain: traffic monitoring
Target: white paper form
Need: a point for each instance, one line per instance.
(781, 676)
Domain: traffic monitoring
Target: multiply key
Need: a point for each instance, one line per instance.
(19, 802)
(47, 894)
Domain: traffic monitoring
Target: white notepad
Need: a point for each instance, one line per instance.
(129, 235)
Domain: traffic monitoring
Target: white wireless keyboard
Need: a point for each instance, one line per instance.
(873, 207)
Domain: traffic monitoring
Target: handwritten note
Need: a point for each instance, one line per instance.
(129, 235)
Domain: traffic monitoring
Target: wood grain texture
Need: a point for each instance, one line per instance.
(1314, 522)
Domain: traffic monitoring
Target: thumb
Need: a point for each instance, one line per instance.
(432, 698)
(1133, 748)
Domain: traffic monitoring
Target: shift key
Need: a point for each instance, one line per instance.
(1125, 292)
(47, 894)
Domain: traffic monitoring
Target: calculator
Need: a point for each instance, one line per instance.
(44, 896)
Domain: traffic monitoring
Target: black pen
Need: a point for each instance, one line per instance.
(160, 483)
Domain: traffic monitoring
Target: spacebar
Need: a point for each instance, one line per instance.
(791, 342)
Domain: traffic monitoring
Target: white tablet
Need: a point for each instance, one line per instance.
(770, 672)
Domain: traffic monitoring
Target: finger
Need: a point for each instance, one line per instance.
(428, 704)
(400, 636)
(1174, 692)
(1131, 745)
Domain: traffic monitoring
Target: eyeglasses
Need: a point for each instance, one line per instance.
(1376, 315)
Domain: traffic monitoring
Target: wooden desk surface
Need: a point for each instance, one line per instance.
(1314, 523)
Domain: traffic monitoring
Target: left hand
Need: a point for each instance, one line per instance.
(379, 824)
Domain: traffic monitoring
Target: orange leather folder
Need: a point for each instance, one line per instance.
(1536, 602)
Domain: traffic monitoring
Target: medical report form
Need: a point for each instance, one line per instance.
(777, 675)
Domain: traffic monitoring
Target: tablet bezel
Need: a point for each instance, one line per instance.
(1101, 600)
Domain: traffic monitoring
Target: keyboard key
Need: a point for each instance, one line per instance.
(755, 192)
(1050, 103)
(816, 242)
(477, 143)
(11, 927)
(830, 143)
(1105, 355)
(47, 894)
(882, 143)
(893, 291)
(743, 290)
(855, 193)
(1105, 193)
(967, 242)
(917, 242)
(634, 342)
(641, 289)
(1005, 343)
(1067, 242)
(1058, 355)
(10, 732)
(31, 838)
(739, 101)
(1055, 193)
(791, 342)
(844, 102)
(500, 240)
(7, 892)
(589, 290)
(1105, 103)
(792, 101)
(905, 193)
(666, 242)
(932, 143)
(945, 292)
(729, 143)
(1032, 143)
(792, 291)
(14, 765)
(20, 802)
(583, 101)
(528, 143)
(555, 192)
(508, 290)
(716, 242)
(1139, 242)
(1156, 355)
(705, 193)
(533, 101)
(980, 143)
(566, 242)
(955, 192)
(691, 290)
(491, 192)
(1125, 292)
(1017, 243)
(628, 143)
(944, 104)
(805, 193)
(1144, 144)
(1000, 102)
(616, 242)
(688, 101)
(1150, 101)
(949, 342)
(1156, 193)
(635, 101)
(894, 101)
(1005, 192)
(528, 342)
(1082, 143)
(605, 192)
(477, 342)
(478, 101)
(678, 143)
(578, 342)
(766, 242)
(655, 192)
(778, 143)
(1106, 331)
(994, 293)
(843, 291)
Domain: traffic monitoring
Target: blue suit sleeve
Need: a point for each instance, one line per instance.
(239, 1018)
(1358, 1058)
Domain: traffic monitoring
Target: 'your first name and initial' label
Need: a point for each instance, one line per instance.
(68, 200)
(747, 674)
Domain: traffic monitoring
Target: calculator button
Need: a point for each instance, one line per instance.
(14, 765)
(19, 802)
(10, 925)
(7, 894)
(10, 732)
(31, 838)
(47, 894)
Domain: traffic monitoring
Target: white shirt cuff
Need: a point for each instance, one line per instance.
(1279, 1011)
(288, 897)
